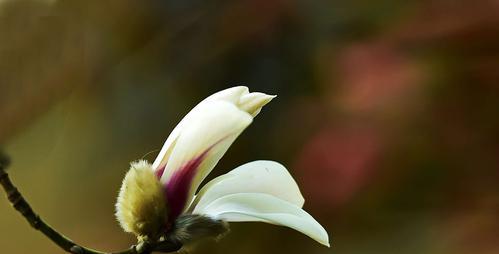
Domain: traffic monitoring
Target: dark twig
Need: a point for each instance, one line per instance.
(23, 207)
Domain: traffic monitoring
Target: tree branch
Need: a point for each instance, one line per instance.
(23, 207)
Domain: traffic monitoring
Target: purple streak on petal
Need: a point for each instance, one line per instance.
(159, 172)
(178, 187)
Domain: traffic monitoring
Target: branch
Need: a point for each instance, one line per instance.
(23, 207)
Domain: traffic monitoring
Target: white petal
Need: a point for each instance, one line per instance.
(199, 141)
(264, 208)
(267, 177)
(163, 156)
(211, 126)
(208, 133)
(239, 96)
(232, 94)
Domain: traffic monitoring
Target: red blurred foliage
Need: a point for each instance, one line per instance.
(337, 162)
(456, 22)
(375, 77)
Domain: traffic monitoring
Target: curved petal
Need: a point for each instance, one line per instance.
(199, 141)
(267, 177)
(264, 208)
(204, 138)
(239, 96)
(232, 94)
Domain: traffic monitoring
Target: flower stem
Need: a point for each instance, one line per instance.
(23, 207)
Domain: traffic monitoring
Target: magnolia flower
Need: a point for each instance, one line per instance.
(158, 201)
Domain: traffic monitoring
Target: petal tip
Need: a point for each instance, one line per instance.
(324, 240)
(326, 243)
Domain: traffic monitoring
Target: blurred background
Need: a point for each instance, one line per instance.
(387, 114)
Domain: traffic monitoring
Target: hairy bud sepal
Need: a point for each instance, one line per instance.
(141, 207)
(190, 228)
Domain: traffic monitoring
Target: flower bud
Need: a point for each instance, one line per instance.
(141, 206)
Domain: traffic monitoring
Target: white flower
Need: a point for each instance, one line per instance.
(257, 191)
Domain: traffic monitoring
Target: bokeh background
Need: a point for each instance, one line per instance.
(387, 114)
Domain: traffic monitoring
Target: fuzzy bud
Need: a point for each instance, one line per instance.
(141, 208)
